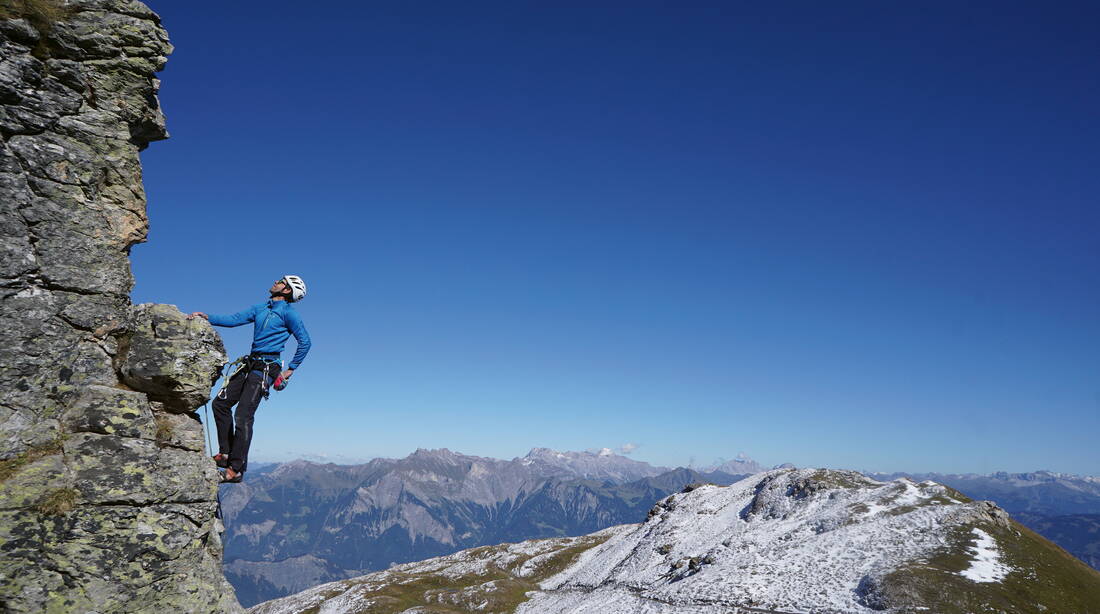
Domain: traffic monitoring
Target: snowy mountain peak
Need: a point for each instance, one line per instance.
(601, 464)
(549, 453)
(740, 465)
(543, 453)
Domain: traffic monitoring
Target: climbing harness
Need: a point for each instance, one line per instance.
(252, 363)
(230, 372)
(266, 379)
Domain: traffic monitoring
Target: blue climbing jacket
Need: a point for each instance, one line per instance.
(275, 322)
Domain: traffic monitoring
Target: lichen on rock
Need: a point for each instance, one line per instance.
(107, 498)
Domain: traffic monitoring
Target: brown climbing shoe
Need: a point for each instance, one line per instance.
(236, 478)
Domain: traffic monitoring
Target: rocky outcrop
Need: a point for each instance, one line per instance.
(107, 499)
(167, 357)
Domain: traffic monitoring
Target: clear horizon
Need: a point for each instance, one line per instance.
(850, 236)
(343, 460)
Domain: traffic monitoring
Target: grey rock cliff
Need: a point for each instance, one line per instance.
(107, 499)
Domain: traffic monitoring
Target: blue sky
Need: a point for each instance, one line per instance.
(855, 235)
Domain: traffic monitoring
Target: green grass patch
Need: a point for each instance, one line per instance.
(164, 430)
(936, 500)
(41, 14)
(499, 589)
(58, 502)
(34, 11)
(836, 479)
(956, 495)
(11, 466)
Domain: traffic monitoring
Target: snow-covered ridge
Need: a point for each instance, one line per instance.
(472, 580)
(785, 540)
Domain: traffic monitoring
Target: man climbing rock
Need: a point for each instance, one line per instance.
(252, 376)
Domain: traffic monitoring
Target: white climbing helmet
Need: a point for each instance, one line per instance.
(297, 287)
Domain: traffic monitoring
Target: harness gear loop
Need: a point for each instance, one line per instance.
(241, 363)
(250, 363)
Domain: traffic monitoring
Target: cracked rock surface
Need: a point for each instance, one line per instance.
(107, 499)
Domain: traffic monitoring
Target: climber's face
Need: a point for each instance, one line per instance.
(279, 288)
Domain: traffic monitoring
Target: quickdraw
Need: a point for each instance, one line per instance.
(240, 363)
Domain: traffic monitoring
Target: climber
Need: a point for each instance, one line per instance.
(254, 375)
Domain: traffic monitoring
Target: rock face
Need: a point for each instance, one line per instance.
(107, 499)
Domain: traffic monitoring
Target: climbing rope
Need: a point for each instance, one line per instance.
(210, 452)
(206, 429)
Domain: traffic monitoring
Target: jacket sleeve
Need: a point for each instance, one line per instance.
(237, 319)
(298, 329)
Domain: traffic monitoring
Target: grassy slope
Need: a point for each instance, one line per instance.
(1060, 584)
(499, 590)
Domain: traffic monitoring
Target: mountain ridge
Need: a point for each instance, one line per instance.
(781, 541)
(430, 503)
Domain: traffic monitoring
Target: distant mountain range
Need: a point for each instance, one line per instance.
(298, 524)
(601, 465)
(740, 465)
(294, 525)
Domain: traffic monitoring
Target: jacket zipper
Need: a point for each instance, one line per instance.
(266, 318)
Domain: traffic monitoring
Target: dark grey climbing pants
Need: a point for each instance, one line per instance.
(245, 390)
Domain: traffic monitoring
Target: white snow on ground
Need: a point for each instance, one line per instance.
(905, 493)
(759, 542)
(987, 566)
(354, 595)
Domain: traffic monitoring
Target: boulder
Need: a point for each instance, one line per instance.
(172, 359)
